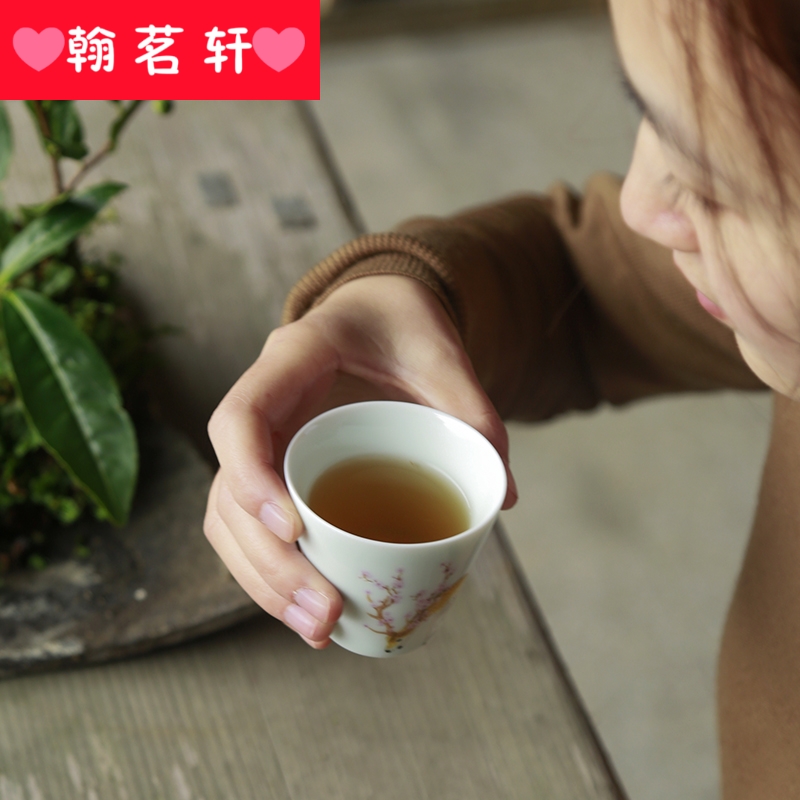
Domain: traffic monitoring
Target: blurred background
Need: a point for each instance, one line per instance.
(631, 522)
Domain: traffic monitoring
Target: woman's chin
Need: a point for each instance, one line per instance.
(785, 382)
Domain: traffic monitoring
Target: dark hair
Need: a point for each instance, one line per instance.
(750, 34)
(757, 42)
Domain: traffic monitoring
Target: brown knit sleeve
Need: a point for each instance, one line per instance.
(372, 254)
(559, 305)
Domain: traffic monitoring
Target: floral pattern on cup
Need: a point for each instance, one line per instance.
(426, 604)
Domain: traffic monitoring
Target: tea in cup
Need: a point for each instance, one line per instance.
(396, 499)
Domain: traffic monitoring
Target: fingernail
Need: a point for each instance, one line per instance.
(300, 620)
(512, 484)
(277, 520)
(513, 488)
(313, 602)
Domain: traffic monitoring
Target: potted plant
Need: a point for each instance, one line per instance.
(71, 351)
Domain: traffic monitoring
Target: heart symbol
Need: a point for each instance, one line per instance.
(279, 50)
(38, 50)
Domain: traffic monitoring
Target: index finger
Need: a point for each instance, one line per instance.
(295, 370)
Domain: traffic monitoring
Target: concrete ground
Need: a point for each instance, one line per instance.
(631, 523)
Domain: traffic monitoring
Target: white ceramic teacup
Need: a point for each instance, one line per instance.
(393, 593)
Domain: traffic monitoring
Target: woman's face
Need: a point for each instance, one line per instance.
(738, 252)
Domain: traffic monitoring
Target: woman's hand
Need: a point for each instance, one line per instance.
(377, 337)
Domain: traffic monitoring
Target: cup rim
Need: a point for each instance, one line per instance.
(495, 509)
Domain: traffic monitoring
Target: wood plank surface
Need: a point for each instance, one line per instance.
(154, 581)
(254, 714)
(352, 19)
(485, 710)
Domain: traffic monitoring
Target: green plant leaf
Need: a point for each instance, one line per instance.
(52, 232)
(6, 228)
(28, 213)
(72, 400)
(6, 141)
(98, 195)
(120, 121)
(66, 130)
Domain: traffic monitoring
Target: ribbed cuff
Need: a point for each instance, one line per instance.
(374, 254)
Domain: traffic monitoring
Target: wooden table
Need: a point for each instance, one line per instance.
(230, 203)
(351, 19)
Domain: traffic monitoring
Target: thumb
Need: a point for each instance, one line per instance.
(447, 381)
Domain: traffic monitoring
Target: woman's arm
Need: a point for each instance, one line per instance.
(529, 307)
(559, 304)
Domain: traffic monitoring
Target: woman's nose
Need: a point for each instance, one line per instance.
(647, 203)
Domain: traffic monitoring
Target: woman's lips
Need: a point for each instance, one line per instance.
(705, 302)
(710, 306)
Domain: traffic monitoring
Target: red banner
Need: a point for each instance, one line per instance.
(160, 50)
